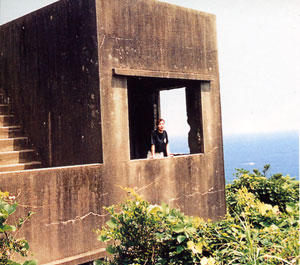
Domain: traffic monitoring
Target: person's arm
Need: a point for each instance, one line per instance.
(152, 147)
(152, 150)
(168, 151)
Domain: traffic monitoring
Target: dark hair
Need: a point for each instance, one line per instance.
(159, 120)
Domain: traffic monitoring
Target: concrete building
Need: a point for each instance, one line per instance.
(82, 79)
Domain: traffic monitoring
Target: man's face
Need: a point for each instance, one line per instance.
(161, 126)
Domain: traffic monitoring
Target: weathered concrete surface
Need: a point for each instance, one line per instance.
(68, 205)
(49, 70)
(157, 37)
(136, 38)
(68, 201)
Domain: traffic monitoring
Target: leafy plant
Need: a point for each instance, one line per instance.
(277, 190)
(9, 244)
(150, 234)
(256, 230)
(268, 208)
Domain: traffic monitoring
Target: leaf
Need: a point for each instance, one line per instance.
(204, 261)
(190, 245)
(99, 262)
(30, 262)
(10, 262)
(207, 261)
(165, 208)
(181, 238)
(199, 247)
(26, 245)
(10, 208)
(111, 249)
(179, 249)
(263, 208)
(191, 230)
(7, 228)
(179, 228)
(103, 238)
(112, 223)
(153, 209)
(290, 207)
(171, 219)
(195, 248)
(4, 216)
(274, 227)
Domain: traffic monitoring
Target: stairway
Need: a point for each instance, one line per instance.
(14, 151)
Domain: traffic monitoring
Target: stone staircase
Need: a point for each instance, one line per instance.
(14, 151)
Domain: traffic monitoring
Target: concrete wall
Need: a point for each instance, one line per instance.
(68, 202)
(68, 205)
(49, 71)
(160, 38)
(133, 37)
(157, 39)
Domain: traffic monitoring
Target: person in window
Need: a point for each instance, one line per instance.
(159, 142)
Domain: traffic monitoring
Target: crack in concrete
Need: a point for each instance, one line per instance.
(210, 191)
(102, 42)
(77, 218)
(145, 187)
(30, 206)
(212, 150)
(120, 38)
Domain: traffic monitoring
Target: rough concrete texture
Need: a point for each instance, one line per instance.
(49, 72)
(127, 40)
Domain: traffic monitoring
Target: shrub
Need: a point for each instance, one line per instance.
(8, 243)
(149, 234)
(256, 230)
(277, 190)
(268, 210)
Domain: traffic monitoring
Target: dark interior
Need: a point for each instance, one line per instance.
(144, 111)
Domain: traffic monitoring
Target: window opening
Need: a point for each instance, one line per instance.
(147, 102)
(173, 110)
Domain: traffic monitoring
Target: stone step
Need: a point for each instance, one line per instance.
(4, 109)
(6, 120)
(10, 132)
(15, 157)
(13, 144)
(14, 152)
(20, 166)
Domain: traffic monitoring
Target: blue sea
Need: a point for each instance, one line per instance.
(253, 151)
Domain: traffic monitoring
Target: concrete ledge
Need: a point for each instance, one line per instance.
(81, 258)
(49, 169)
(162, 74)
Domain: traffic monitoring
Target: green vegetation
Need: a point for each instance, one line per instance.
(8, 243)
(261, 227)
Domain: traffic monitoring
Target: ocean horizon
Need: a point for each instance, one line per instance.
(253, 151)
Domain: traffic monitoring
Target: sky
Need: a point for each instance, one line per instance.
(259, 60)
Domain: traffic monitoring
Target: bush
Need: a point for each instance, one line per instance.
(8, 243)
(268, 209)
(277, 190)
(261, 227)
(148, 234)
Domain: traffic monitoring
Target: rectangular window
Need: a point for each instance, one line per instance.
(173, 111)
(151, 98)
